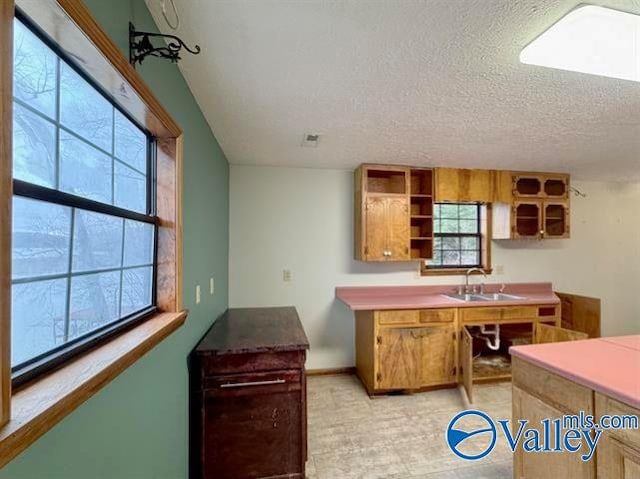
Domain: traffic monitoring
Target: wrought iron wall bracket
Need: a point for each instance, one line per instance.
(140, 46)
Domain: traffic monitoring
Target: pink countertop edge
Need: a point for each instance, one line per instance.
(610, 366)
(368, 298)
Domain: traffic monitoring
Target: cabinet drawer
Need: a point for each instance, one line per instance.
(499, 313)
(610, 406)
(551, 388)
(213, 364)
(401, 316)
(253, 383)
(437, 315)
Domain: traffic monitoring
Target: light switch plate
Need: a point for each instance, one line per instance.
(286, 275)
(212, 286)
(197, 294)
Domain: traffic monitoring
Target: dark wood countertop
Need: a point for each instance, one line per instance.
(254, 330)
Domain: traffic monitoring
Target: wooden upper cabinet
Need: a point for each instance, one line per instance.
(393, 213)
(540, 208)
(457, 185)
(541, 185)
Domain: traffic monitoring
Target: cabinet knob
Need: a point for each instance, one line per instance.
(541, 232)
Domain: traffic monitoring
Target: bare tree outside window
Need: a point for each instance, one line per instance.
(83, 228)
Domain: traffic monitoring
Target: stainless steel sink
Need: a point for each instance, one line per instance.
(466, 297)
(500, 297)
(483, 297)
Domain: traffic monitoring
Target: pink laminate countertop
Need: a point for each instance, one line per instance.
(368, 298)
(610, 366)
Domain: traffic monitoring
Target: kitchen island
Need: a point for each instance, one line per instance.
(597, 377)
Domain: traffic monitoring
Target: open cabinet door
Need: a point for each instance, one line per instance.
(580, 313)
(466, 362)
(552, 334)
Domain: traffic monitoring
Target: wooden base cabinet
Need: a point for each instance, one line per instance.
(618, 452)
(537, 465)
(408, 349)
(248, 397)
(540, 394)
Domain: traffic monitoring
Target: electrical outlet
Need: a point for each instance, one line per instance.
(197, 294)
(212, 286)
(499, 269)
(286, 275)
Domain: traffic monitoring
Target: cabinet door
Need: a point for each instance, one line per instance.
(617, 460)
(397, 229)
(580, 313)
(526, 219)
(534, 465)
(376, 229)
(556, 186)
(460, 185)
(253, 426)
(556, 220)
(398, 356)
(466, 362)
(552, 334)
(618, 452)
(528, 186)
(437, 351)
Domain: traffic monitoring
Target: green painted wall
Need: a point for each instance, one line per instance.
(136, 427)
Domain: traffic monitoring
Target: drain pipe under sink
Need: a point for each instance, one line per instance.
(495, 333)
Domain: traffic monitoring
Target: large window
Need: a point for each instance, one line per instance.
(84, 225)
(457, 236)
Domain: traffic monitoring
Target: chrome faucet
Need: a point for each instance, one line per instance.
(466, 282)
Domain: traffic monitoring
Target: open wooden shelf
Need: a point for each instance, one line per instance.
(421, 248)
(386, 181)
(421, 208)
(421, 182)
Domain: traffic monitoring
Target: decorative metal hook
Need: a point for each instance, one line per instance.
(577, 192)
(140, 46)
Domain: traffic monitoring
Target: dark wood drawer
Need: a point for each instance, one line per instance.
(215, 364)
(237, 384)
(254, 426)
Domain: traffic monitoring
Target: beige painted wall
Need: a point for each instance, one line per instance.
(301, 219)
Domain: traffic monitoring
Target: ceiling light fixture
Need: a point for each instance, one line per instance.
(590, 39)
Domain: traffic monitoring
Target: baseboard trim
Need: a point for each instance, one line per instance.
(331, 371)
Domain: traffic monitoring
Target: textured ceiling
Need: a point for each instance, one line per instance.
(432, 82)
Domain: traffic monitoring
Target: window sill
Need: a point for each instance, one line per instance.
(40, 405)
(450, 271)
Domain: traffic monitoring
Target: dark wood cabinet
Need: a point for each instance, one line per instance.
(248, 397)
